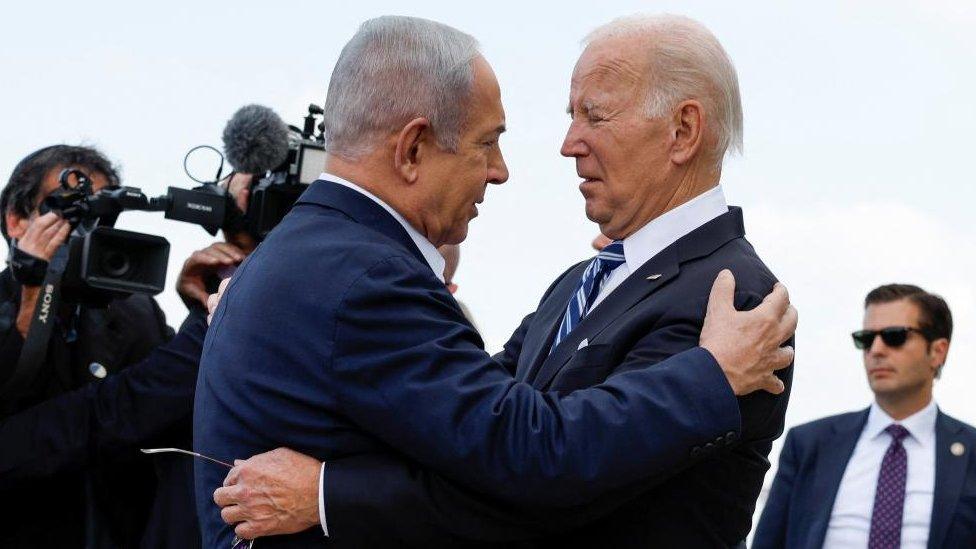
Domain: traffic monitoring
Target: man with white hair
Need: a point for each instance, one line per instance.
(366, 363)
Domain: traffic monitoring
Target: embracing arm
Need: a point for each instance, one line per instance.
(516, 447)
(71, 430)
(502, 438)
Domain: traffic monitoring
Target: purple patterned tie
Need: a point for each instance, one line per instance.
(889, 500)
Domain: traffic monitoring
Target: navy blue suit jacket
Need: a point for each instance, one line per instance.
(813, 461)
(335, 338)
(706, 501)
(103, 424)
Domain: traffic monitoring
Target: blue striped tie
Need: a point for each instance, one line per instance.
(594, 277)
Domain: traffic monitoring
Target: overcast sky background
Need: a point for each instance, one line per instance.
(857, 170)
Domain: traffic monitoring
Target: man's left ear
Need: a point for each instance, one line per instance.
(938, 350)
(410, 148)
(688, 131)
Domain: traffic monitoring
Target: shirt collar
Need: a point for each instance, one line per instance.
(920, 425)
(669, 227)
(434, 258)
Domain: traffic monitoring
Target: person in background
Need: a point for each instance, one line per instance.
(58, 449)
(900, 473)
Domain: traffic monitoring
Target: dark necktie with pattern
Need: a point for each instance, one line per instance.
(595, 275)
(889, 500)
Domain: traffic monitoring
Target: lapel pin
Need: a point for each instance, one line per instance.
(654, 277)
(957, 449)
(586, 342)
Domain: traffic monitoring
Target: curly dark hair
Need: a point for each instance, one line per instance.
(19, 196)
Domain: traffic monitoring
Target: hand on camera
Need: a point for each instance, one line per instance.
(747, 344)
(203, 265)
(44, 235)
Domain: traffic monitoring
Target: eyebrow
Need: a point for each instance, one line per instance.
(586, 106)
(500, 129)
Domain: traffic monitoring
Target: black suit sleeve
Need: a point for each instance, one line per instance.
(435, 396)
(509, 355)
(439, 507)
(771, 531)
(74, 429)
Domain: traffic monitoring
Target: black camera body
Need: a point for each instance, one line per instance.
(273, 196)
(105, 262)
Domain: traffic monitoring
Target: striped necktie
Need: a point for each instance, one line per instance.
(593, 278)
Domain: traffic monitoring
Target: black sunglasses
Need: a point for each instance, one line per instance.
(893, 336)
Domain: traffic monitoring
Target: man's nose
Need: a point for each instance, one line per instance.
(573, 144)
(497, 169)
(878, 346)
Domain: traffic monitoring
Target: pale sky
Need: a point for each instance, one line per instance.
(859, 119)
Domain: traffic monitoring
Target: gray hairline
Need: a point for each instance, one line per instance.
(718, 83)
(395, 69)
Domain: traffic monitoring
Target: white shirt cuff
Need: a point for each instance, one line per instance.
(325, 527)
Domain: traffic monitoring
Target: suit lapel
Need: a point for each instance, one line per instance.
(635, 288)
(361, 209)
(649, 278)
(950, 472)
(542, 331)
(833, 454)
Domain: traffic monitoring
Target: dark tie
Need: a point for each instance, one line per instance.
(889, 500)
(596, 273)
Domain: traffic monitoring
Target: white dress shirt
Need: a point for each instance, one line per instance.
(661, 232)
(430, 253)
(850, 520)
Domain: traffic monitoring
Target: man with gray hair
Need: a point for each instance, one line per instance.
(619, 386)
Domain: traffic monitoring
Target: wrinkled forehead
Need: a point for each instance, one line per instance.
(610, 67)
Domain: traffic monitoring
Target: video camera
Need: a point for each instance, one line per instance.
(257, 141)
(105, 262)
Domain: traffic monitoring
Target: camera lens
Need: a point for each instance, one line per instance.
(115, 263)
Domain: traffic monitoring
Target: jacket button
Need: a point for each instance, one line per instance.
(709, 447)
(97, 370)
(730, 437)
(696, 451)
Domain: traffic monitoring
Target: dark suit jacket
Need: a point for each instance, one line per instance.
(707, 500)
(62, 485)
(709, 503)
(335, 338)
(813, 461)
(104, 423)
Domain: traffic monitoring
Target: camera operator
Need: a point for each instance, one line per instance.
(70, 471)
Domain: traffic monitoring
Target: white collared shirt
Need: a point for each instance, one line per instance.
(434, 259)
(850, 519)
(661, 232)
(429, 251)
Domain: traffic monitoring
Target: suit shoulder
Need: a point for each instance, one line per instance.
(751, 271)
(815, 428)
(323, 235)
(966, 428)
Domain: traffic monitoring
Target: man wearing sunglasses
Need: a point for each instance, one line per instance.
(900, 473)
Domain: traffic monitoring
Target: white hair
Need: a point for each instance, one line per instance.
(685, 61)
(393, 70)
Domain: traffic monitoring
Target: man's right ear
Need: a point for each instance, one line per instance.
(16, 225)
(411, 147)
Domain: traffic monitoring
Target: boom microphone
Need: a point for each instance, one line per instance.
(255, 140)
